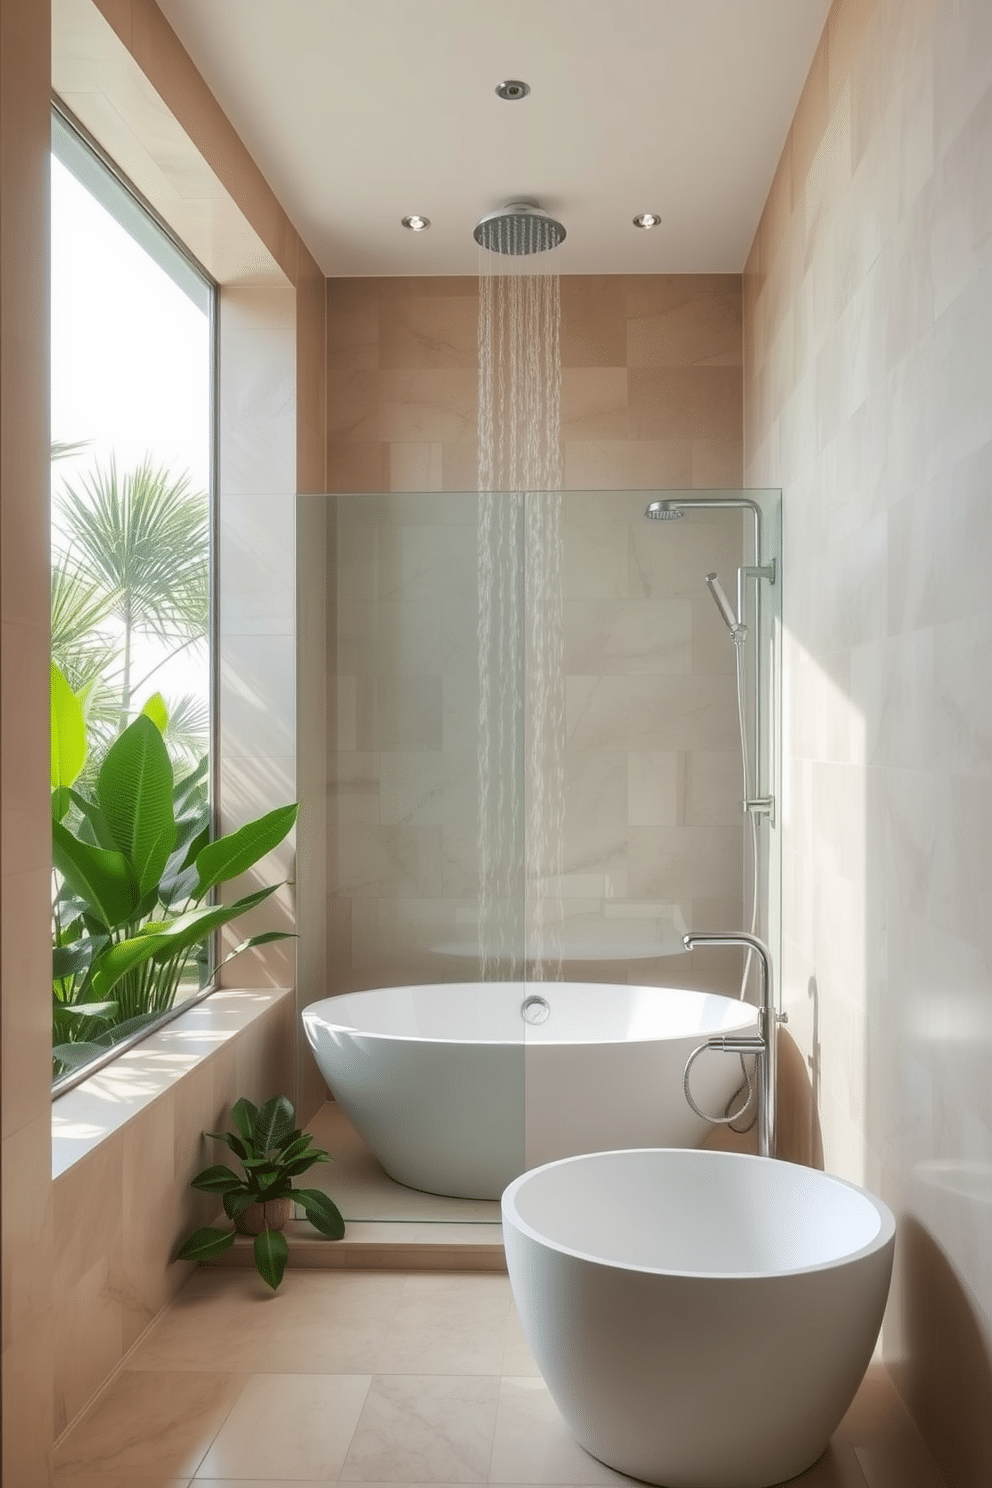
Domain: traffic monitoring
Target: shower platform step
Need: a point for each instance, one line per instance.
(387, 1226)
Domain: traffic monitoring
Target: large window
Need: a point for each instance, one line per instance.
(132, 423)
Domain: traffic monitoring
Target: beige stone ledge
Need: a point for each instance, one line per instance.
(87, 1115)
(387, 1246)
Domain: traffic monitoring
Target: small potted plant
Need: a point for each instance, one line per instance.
(272, 1151)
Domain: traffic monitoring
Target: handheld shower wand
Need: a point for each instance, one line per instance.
(737, 629)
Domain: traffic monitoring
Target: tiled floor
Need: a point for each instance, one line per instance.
(377, 1378)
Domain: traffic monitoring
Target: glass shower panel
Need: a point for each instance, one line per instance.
(656, 837)
(407, 748)
(653, 819)
(434, 610)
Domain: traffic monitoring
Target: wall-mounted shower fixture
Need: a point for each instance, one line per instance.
(668, 509)
(518, 228)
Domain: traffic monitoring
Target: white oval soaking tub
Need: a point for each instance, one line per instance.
(457, 1090)
(702, 1319)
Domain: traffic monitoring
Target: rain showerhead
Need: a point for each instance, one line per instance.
(519, 228)
(664, 511)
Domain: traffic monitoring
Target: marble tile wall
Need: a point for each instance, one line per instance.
(868, 390)
(651, 398)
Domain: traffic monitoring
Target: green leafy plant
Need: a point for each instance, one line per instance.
(135, 868)
(273, 1151)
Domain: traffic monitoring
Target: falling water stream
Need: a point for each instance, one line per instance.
(521, 671)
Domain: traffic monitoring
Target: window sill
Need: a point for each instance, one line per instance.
(94, 1110)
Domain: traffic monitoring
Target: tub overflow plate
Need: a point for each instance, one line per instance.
(535, 1010)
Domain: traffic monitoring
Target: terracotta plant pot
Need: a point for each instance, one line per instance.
(258, 1217)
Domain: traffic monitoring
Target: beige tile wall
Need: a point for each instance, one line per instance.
(256, 641)
(651, 397)
(868, 390)
(651, 382)
(245, 239)
(26, 1244)
(127, 1204)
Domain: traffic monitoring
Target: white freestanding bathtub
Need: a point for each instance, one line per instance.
(458, 1088)
(702, 1319)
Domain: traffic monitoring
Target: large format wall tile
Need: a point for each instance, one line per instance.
(651, 398)
(868, 313)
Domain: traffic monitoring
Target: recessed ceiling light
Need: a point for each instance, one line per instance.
(647, 219)
(512, 89)
(416, 223)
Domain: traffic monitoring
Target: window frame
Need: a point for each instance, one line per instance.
(76, 149)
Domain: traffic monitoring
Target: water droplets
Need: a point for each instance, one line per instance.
(521, 671)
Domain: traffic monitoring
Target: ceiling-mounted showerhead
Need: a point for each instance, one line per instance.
(519, 228)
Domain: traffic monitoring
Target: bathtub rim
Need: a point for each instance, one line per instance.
(879, 1242)
(527, 1038)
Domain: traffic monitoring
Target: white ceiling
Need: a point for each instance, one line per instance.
(359, 111)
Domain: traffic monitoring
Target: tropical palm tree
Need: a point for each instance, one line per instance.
(81, 647)
(142, 542)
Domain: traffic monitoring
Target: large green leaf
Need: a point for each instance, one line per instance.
(156, 710)
(271, 1186)
(177, 884)
(235, 1143)
(75, 1055)
(69, 960)
(274, 1123)
(321, 1211)
(218, 1179)
(297, 1165)
(98, 1010)
(266, 938)
(68, 732)
(301, 1143)
(94, 819)
(192, 834)
(236, 1201)
(245, 1114)
(165, 939)
(191, 806)
(100, 877)
(271, 1255)
(204, 1244)
(134, 789)
(189, 787)
(226, 857)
